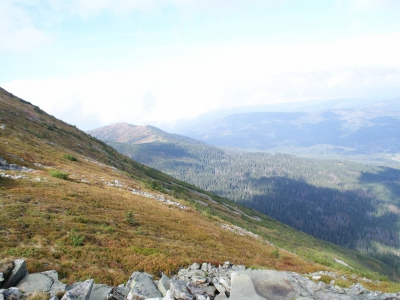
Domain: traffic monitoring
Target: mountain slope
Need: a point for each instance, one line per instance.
(107, 214)
(333, 200)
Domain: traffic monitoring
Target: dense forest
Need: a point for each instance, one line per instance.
(346, 203)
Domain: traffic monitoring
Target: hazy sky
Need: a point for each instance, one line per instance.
(97, 62)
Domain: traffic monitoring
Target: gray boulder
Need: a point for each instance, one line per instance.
(202, 292)
(35, 282)
(57, 285)
(357, 289)
(141, 286)
(168, 296)
(80, 291)
(260, 284)
(117, 293)
(100, 292)
(44, 281)
(179, 290)
(204, 267)
(10, 294)
(221, 297)
(195, 266)
(163, 284)
(243, 288)
(16, 275)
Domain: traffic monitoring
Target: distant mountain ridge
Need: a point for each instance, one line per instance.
(358, 131)
(132, 134)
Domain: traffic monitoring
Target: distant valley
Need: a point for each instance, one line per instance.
(346, 203)
(370, 133)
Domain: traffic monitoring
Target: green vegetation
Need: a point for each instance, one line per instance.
(70, 157)
(76, 239)
(59, 174)
(129, 218)
(333, 200)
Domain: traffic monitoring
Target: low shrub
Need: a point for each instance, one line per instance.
(129, 218)
(76, 239)
(70, 157)
(59, 174)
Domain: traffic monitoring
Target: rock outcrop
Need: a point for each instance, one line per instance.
(197, 282)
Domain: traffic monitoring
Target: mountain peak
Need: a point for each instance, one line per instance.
(128, 133)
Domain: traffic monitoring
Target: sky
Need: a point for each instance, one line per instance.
(93, 63)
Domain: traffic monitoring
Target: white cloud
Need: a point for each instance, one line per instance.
(211, 78)
(17, 30)
(370, 5)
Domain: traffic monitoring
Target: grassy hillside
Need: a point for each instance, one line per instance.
(350, 204)
(76, 212)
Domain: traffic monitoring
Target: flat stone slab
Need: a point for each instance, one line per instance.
(45, 281)
(35, 282)
(261, 285)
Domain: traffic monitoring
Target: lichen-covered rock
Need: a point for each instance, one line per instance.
(357, 289)
(117, 293)
(6, 268)
(194, 266)
(203, 292)
(81, 291)
(179, 290)
(168, 296)
(10, 294)
(35, 282)
(141, 286)
(164, 284)
(200, 282)
(18, 272)
(100, 292)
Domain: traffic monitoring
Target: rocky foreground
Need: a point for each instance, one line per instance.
(197, 282)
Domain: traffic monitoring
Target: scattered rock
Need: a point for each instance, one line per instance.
(12, 167)
(10, 294)
(100, 292)
(342, 263)
(141, 286)
(19, 271)
(179, 290)
(158, 198)
(35, 282)
(357, 289)
(81, 291)
(200, 282)
(163, 284)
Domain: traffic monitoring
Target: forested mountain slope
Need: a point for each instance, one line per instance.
(73, 204)
(346, 203)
